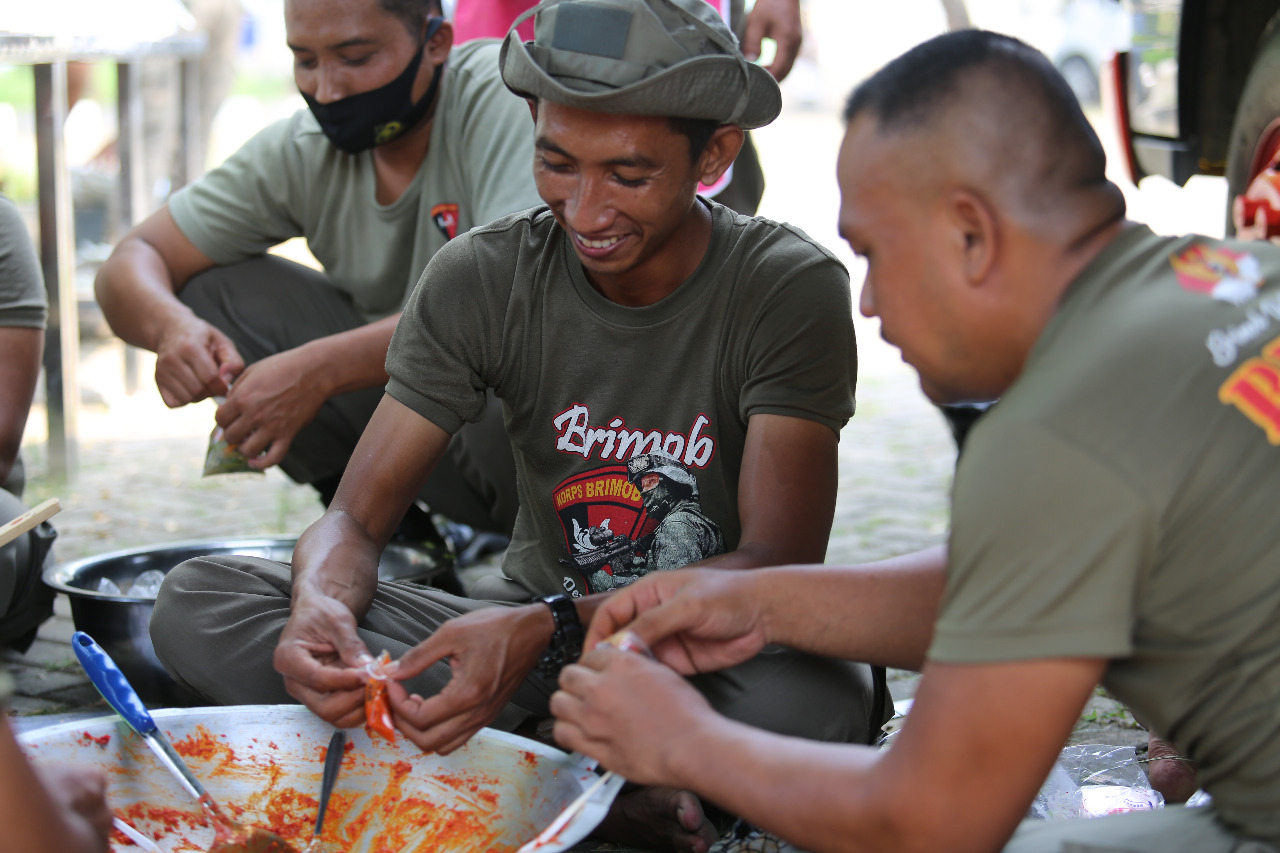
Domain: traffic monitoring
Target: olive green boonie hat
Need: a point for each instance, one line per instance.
(639, 57)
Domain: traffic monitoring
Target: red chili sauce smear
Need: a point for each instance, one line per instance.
(397, 819)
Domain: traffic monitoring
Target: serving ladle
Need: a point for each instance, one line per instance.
(229, 836)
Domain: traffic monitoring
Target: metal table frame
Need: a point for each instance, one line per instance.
(49, 56)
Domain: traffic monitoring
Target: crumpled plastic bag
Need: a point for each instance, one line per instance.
(1093, 780)
(224, 458)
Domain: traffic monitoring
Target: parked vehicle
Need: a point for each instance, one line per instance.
(1198, 93)
(1078, 35)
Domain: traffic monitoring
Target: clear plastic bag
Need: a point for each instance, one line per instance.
(224, 458)
(1092, 780)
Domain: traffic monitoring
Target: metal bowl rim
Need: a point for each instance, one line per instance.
(572, 761)
(54, 576)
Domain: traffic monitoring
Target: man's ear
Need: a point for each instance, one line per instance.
(722, 149)
(976, 234)
(440, 44)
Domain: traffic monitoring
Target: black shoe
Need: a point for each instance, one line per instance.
(418, 531)
(469, 545)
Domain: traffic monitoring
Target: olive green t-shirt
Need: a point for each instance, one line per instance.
(22, 297)
(763, 326)
(290, 181)
(1121, 502)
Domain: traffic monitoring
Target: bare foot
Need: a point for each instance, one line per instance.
(1170, 773)
(662, 819)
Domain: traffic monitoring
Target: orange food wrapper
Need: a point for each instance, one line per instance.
(628, 641)
(377, 709)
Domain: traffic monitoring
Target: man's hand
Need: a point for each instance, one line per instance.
(694, 620)
(490, 652)
(195, 361)
(778, 20)
(80, 796)
(271, 401)
(629, 713)
(322, 659)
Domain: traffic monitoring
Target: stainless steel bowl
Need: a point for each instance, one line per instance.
(120, 622)
(263, 763)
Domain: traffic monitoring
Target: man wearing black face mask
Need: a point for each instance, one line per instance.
(399, 152)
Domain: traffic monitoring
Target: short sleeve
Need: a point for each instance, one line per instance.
(22, 296)
(802, 357)
(1048, 547)
(437, 356)
(246, 205)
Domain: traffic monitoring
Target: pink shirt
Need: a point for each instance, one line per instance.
(480, 19)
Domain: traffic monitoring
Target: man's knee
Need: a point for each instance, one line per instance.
(800, 695)
(205, 596)
(25, 602)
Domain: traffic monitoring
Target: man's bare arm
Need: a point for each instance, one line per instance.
(778, 20)
(137, 288)
(20, 350)
(699, 620)
(881, 613)
(276, 397)
(335, 564)
(786, 494)
(977, 746)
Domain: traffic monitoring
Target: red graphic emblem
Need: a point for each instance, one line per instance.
(445, 216)
(1224, 274)
(596, 508)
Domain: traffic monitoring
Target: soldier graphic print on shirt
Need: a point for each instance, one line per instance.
(622, 521)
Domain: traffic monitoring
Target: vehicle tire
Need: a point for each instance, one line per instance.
(1255, 133)
(1083, 80)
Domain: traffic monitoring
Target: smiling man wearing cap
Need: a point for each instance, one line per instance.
(625, 319)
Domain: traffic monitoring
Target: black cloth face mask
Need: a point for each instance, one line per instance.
(359, 122)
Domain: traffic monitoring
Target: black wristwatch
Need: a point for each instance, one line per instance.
(566, 643)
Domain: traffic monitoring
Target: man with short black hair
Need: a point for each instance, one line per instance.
(626, 317)
(405, 143)
(1113, 516)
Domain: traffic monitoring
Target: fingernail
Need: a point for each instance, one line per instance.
(364, 659)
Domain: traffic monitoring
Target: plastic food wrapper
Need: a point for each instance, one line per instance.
(1093, 780)
(628, 641)
(224, 458)
(377, 709)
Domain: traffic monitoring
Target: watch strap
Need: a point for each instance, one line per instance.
(565, 646)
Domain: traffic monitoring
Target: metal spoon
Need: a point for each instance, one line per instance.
(332, 762)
